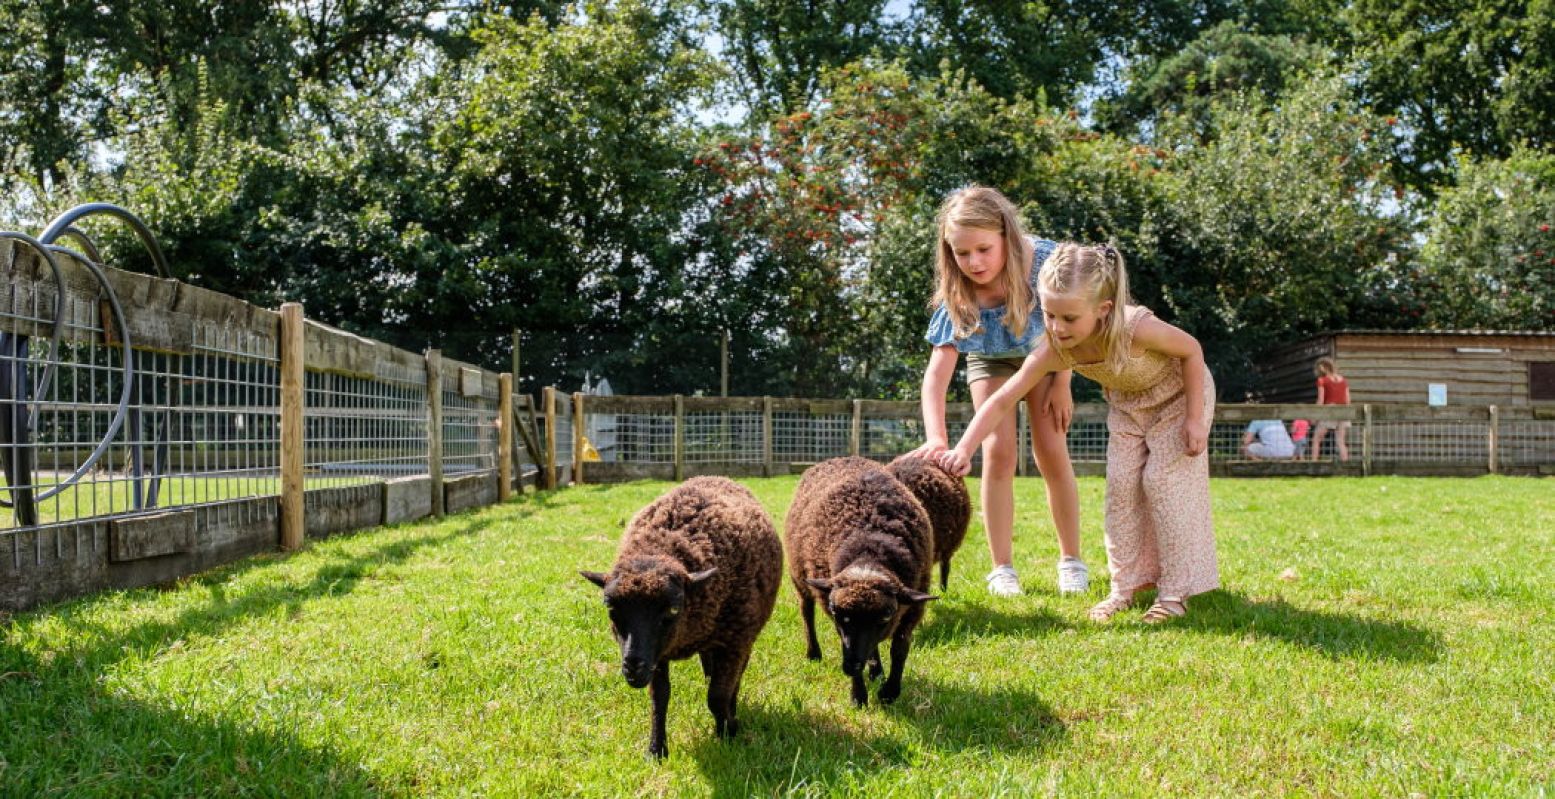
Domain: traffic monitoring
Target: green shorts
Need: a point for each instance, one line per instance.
(982, 367)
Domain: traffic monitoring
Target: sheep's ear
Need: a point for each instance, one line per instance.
(915, 597)
(595, 578)
(696, 578)
(821, 585)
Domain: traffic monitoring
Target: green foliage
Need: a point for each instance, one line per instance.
(1470, 78)
(1224, 61)
(1489, 257)
(1282, 212)
(436, 174)
(836, 207)
(777, 50)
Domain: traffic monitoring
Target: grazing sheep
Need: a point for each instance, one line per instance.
(697, 574)
(859, 543)
(945, 497)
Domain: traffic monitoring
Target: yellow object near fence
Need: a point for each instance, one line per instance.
(590, 455)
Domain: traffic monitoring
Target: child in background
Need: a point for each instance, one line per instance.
(985, 268)
(1158, 525)
(1332, 389)
(1298, 436)
(1267, 439)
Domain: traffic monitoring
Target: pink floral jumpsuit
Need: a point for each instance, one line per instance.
(1158, 524)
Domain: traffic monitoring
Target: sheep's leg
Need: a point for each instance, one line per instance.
(724, 671)
(944, 574)
(875, 669)
(659, 692)
(901, 643)
(807, 612)
(860, 690)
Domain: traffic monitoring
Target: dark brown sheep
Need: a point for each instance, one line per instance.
(859, 544)
(697, 574)
(945, 497)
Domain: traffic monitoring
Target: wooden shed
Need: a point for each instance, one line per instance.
(1514, 370)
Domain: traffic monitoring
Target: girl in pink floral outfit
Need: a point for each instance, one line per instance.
(1159, 529)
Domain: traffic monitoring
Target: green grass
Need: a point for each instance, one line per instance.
(103, 495)
(1408, 648)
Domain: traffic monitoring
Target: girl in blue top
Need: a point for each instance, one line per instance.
(986, 268)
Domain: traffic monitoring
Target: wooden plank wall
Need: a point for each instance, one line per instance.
(1384, 368)
(1398, 369)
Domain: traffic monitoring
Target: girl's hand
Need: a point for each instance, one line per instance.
(954, 462)
(1195, 437)
(1059, 406)
(929, 451)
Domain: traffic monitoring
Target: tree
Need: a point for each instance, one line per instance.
(1489, 257)
(1469, 78)
(832, 212)
(1281, 218)
(1225, 60)
(777, 49)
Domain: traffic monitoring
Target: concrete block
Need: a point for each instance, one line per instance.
(407, 499)
(151, 535)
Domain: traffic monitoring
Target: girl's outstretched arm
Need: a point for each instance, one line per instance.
(1154, 334)
(936, 381)
(1039, 364)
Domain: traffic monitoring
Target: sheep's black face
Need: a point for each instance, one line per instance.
(862, 630)
(641, 627)
(643, 614)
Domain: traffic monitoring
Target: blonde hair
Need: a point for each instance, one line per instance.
(1095, 274)
(1325, 366)
(982, 208)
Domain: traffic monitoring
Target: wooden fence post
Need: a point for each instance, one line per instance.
(856, 434)
(577, 438)
(548, 407)
(506, 430)
(766, 437)
(293, 379)
(1366, 441)
(680, 437)
(435, 427)
(1494, 420)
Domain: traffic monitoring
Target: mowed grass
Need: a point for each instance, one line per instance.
(103, 495)
(1383, 636)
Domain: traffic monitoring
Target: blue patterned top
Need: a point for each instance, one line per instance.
(992, 339)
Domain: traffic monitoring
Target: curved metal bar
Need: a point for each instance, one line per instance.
(129, 377)
(63, 222)
(59, 309)
(85, 241)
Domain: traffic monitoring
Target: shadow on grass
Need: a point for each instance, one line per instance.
(784, 750)
(68, 733)
(948, 622)
(1335, 635)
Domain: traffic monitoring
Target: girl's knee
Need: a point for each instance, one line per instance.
(999, 458)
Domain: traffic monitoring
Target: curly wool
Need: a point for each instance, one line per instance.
(703, 523)
(946, 499)
(850, 513)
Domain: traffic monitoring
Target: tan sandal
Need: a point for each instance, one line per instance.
(1111, 606)
(1164, 609)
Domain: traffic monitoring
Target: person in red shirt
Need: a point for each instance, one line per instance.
(1332, 389)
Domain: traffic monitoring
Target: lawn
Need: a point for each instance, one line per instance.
(1381, 636)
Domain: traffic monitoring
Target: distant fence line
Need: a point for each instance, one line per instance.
(675, 437)
(150, 429)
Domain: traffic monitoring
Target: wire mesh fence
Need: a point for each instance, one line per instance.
(643, 432)
(469, 431)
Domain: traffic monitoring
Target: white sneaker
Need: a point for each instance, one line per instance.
(1002, 581)
(1073, 576)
